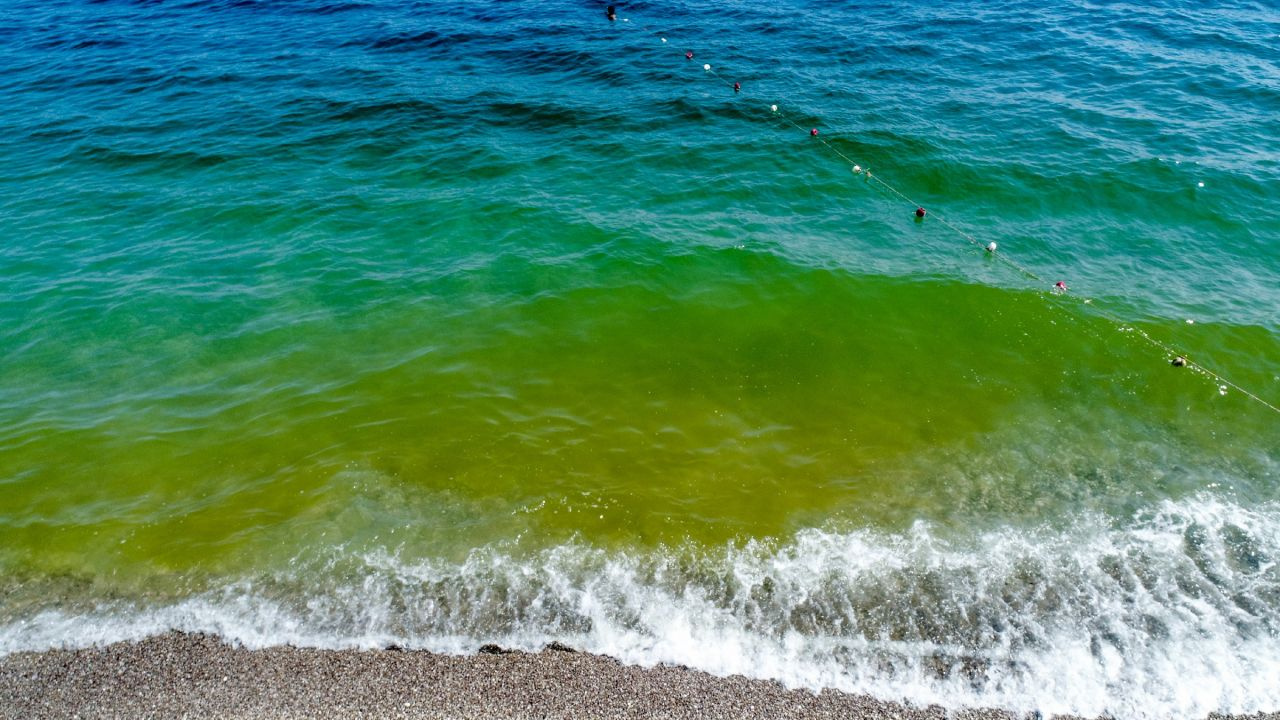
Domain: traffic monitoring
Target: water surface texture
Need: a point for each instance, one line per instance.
(356, 323)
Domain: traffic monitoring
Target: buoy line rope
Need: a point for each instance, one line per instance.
(990, 248)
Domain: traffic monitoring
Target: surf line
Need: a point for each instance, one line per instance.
(1175, 358)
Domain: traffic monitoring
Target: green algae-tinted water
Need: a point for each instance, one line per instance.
(352, 324)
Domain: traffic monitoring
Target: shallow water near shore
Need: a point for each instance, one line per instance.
(358, 324)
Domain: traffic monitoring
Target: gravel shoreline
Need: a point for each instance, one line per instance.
(179, 675)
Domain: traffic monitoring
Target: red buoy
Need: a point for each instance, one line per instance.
(689, 55)
(919, 212)
(814, 132)
(737, 87)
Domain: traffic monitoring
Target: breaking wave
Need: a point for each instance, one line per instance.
(1092, 620)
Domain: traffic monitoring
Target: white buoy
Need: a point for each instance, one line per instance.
(1200, 184)
(708, 67)
(991, 246)
(664, 39)
(857, 169)
(773, 108)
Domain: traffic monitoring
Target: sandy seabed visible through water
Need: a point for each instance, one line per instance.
(181, 675)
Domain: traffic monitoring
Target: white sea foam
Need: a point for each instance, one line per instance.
(1175, 614)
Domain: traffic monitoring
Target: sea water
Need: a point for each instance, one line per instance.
(346, 324)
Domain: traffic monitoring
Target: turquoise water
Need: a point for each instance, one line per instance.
(351, 324)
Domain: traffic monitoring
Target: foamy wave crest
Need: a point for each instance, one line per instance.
(1177, 614)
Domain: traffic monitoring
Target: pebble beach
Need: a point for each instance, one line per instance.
(179, 676)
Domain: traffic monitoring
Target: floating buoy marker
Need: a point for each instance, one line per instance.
(991, 246)
(706, 67)
(663, 39)
(857, 169)
(737, 86)
(813, 132)
(919, 212)
(688, 55)
(774, 108)
(1059, 287)
(1179, 362)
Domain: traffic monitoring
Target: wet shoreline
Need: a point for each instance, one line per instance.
(190, 675)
